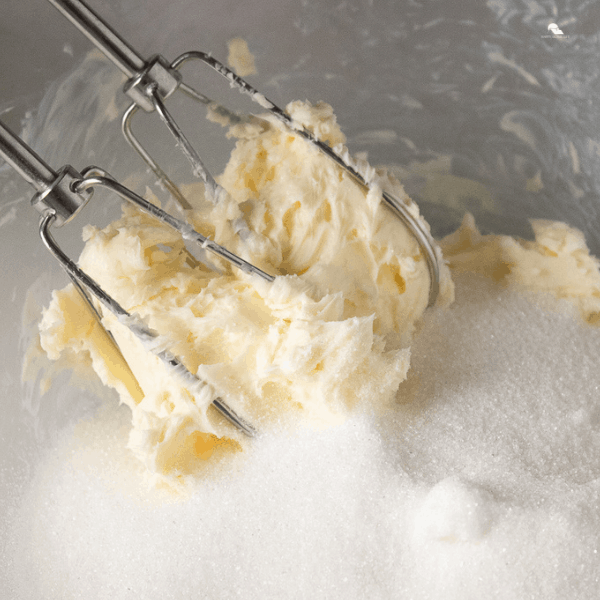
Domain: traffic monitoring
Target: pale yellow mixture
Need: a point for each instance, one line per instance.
(333, 329)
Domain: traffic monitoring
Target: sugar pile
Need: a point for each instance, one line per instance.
(483, 482)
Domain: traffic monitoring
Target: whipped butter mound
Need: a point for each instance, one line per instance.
(308, 217)
(330, 334)
(557, 261)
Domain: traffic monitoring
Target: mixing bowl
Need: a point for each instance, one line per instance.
(480, 106)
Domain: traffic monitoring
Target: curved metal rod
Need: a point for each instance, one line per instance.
(134, 323)
(212, 188)
(126, 128)
(94, 176)
(421, 235)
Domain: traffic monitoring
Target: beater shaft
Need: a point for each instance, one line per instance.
(54, 192)
(143, 76)
(102, 35)
(25, 161)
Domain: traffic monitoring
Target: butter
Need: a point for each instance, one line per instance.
(329, 335)
(557, 262)
(240, 59)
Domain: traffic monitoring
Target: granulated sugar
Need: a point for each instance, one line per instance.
(483, 482)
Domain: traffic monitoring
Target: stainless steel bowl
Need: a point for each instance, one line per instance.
(482, 104)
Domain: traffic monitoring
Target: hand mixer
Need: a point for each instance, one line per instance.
(61, 195)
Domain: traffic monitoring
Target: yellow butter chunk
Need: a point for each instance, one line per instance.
(557, 261)
(308, 217)
(69, 325)
(240, 59)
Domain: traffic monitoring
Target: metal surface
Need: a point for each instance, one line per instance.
(24, 160)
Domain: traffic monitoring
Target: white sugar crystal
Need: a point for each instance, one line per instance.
(483, 482)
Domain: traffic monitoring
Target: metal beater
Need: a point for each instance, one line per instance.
(151, 82)
(60, 195)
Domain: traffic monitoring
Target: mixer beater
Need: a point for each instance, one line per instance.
(150, 83)
(61, 195)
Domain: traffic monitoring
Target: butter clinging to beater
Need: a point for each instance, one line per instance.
(331, 331)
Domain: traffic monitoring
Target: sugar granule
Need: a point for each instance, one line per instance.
(483, 482)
